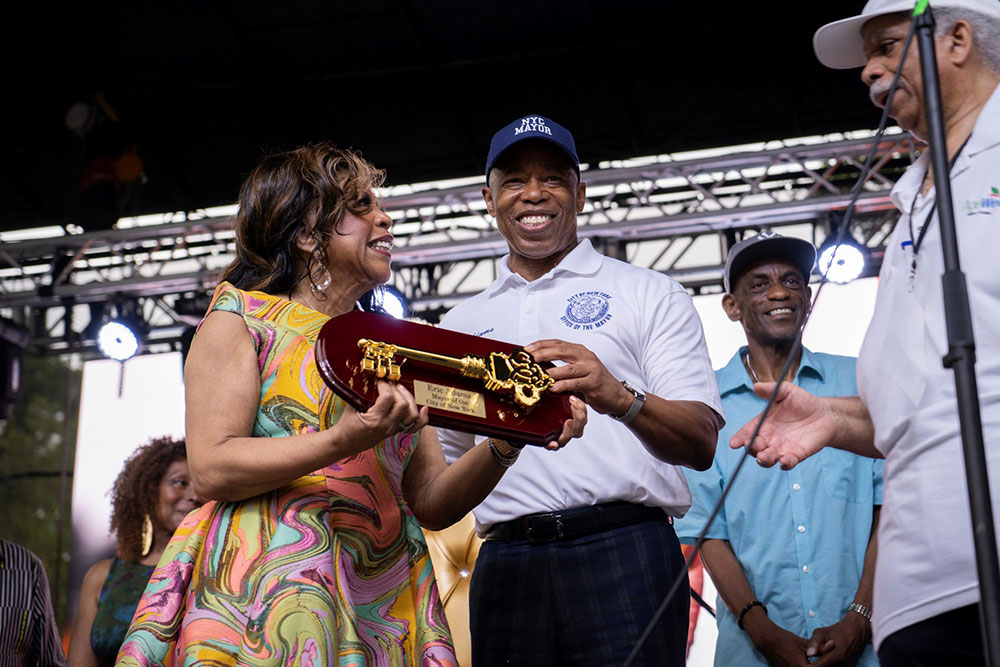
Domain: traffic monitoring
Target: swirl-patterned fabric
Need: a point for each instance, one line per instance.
(331, 569)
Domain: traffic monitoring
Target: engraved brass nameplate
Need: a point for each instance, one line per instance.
(451, 399)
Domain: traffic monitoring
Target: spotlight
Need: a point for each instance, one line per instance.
(117, 340)
(842, 263)
(118, 329)
(393, 303)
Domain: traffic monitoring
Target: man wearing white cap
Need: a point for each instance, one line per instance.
(926, 586)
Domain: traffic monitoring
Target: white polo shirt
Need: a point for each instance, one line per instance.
(926, 560)
(643, 326)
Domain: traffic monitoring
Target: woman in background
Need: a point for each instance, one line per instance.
(150, 497)
(310, 551)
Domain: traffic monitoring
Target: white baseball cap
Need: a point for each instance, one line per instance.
(838, 45)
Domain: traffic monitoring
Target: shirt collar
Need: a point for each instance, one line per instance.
(734, 375)
(582, 260)
(985, 134)
(909, 183)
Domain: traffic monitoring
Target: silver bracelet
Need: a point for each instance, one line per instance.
(503, 460)
(861, 609)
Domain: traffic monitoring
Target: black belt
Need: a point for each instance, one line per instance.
(577, 522)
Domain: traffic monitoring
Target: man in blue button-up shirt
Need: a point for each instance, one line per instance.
(791, 552)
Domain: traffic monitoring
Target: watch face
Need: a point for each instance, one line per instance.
(638, 393)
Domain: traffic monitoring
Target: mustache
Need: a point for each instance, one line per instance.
(877, 90)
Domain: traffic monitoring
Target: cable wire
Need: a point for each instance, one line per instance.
(796, 347)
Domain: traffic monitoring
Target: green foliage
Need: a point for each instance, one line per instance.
(31, 457)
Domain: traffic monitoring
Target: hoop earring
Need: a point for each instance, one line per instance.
(324, 282)
(147, 536)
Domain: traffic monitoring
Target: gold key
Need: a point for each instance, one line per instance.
(514, 375)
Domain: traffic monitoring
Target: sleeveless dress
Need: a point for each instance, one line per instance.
(116, 606)
(331, 569)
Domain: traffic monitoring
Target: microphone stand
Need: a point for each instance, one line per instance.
(961, 357)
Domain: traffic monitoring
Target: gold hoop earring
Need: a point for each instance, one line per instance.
(147, 535)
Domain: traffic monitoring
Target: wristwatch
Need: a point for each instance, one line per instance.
(637, 403)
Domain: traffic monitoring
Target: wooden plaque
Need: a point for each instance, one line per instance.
(455, 401)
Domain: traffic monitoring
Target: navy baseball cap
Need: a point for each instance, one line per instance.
(532, 127)
(768, 245)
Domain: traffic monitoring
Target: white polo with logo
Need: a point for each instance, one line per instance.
(643, 326)
(926, 560)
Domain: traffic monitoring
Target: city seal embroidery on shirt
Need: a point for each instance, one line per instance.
(587, 310)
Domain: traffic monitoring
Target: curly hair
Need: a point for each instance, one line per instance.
(136, 492)
(304, 189)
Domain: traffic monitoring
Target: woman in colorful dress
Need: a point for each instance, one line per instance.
(310, 550)
(151, 496)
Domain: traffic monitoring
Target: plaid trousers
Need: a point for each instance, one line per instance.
(581, 601)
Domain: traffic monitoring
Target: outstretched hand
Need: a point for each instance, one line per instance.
(797, 426)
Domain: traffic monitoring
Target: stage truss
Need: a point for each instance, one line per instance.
(674, 214)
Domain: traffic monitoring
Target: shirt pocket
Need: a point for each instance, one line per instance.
(846, 476)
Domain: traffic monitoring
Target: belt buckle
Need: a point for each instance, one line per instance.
(536, 535)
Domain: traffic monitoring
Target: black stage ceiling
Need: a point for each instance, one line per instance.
(200, 89)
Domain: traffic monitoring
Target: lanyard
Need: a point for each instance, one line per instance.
(915, 243)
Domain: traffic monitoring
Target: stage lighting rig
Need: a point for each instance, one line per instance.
(841, 258)
(121, 331)
(842, 263)
(117, 340)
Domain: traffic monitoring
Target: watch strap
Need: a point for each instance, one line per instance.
(639, 399)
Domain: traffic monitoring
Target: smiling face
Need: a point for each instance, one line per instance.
(535, 195)
(177, 496)
(770, 300)
(359, 248)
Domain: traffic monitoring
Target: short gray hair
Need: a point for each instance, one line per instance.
(985, 32)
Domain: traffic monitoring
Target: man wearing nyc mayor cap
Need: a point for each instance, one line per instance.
(926, 586)
(579, 548)
(792, 553)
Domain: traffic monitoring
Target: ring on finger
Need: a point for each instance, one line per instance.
(407, 427)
